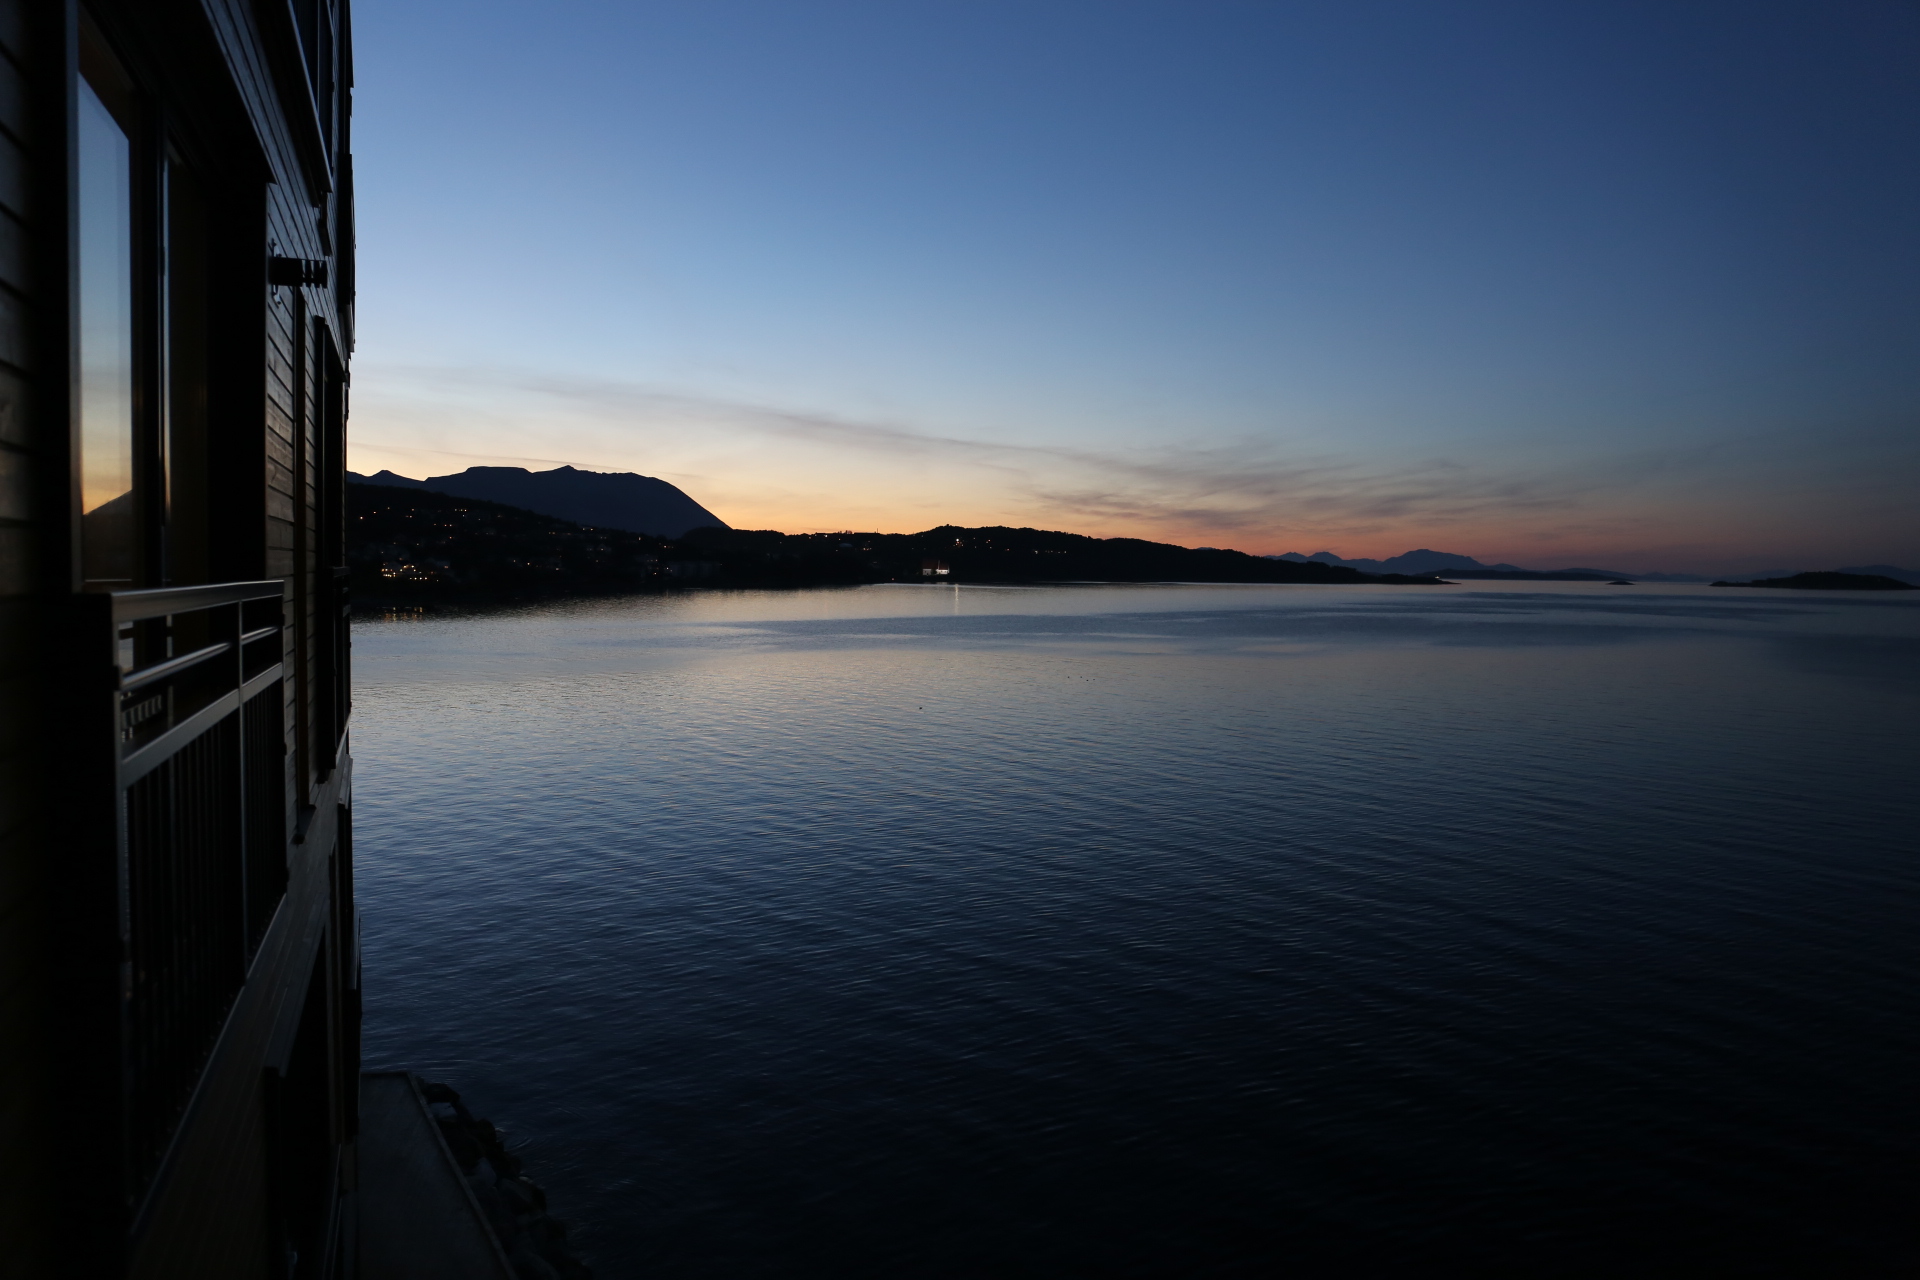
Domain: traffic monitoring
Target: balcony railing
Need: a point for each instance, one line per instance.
(202, 781)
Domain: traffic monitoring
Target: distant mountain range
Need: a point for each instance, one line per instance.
(645, 505)
(1426, 561)
(602, 499)
(409, 543)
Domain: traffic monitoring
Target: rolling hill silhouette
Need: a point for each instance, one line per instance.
(605, 500)
(1429, 561)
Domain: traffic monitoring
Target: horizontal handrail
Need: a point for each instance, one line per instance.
(163, 748)
(261, 681)
(173, 666)
(201, 774)
(157, 602)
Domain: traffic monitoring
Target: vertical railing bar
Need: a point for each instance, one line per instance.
(125, 817)
(243, 843)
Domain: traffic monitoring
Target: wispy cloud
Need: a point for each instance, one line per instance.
(775, 466)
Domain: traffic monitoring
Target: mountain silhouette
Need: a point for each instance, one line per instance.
(605, 500)
(1427, 561)
(1909, 576)
(1420, 561)
(1830, 581)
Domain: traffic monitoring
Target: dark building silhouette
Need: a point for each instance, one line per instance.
(179, 1004)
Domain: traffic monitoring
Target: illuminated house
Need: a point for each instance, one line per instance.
(179, 1004)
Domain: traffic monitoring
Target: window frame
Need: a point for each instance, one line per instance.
(158, 154)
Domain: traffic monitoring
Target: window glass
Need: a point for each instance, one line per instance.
(106, 347)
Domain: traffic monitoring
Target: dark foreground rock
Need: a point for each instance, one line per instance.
(1829, 582)
(534, 1241)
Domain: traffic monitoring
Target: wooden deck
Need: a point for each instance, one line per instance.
(418, 1219)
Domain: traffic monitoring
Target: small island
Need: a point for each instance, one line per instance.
(1829, 582)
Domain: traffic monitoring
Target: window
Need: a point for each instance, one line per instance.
(144, 299)
(109, 555)
(314, 22)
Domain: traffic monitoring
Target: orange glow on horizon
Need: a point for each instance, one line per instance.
(1641, 537)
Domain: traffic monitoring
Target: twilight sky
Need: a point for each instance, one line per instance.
(1590, 282)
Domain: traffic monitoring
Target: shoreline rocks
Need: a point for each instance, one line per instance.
(534, 1241)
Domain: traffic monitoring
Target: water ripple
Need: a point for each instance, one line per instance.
(1165, 931)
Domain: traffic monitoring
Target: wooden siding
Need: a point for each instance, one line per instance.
(31, 254)
(63, 1210)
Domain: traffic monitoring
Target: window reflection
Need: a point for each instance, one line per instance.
(106, 347)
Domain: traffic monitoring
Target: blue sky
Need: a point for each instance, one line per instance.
(1584, 282)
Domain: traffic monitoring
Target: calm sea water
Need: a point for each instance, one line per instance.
(934, 931)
